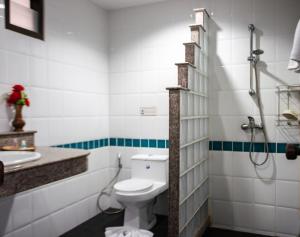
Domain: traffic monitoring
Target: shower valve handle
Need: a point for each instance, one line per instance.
(251, 124)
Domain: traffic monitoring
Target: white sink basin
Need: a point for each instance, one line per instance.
(12, 158)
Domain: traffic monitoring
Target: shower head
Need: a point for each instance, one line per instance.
(258, 52)
(251, 27)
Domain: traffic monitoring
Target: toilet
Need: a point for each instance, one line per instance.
(149, 178)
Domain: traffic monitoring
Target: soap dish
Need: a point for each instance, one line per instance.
(17, 148)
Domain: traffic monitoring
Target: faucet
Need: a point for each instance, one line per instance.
(251, 125)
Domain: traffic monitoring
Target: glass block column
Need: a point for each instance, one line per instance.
(188, 203)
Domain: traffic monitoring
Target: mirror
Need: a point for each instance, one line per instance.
(25, 17)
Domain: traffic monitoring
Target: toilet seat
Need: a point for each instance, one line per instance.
(133, 185)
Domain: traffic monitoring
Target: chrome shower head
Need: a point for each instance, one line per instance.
(251, 27)
(258, 52)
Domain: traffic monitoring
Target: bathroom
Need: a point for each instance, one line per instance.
(101, 77)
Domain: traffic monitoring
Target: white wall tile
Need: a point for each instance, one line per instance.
(223, 213)
(241, 17)
(243, 190)
(241, 165)
(264, 218)
(287, 221)
(221, 188)
(243, 215)
(22, 210)
(287, 169)
(221, 163)
(240, 50)
(17, 72)
(38, 72)
(264, 16)
(264, 191)
(287, 194)
(223, 52)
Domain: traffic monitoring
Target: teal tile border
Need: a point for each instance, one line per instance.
(239, 146)
(235, 146)
(120, 142)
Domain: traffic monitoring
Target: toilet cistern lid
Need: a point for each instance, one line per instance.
(133, 185)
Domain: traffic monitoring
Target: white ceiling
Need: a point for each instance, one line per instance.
(117, 4)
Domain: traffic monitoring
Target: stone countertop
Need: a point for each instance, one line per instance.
(49, 155)
(54, 165)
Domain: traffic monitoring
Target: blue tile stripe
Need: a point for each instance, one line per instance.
(239, 146)
(120, 142)
(235, 146)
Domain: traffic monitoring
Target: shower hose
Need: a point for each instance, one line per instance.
(107, 191)
(262, 121)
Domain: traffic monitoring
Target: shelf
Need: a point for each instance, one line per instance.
(286, 122)
(288, 88)
(288, 97)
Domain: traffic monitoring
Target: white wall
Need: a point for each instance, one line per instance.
(66, 77)
(145, 44)
(262, 200)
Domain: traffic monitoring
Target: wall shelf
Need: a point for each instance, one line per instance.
(288, 99)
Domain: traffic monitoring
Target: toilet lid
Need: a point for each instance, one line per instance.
(133, 185)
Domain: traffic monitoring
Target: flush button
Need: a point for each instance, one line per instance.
(148, 167)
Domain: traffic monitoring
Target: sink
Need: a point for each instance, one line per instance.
(12, 158)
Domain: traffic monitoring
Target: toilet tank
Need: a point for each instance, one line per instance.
(154, 167)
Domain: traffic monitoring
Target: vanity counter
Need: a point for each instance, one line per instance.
(55, 164)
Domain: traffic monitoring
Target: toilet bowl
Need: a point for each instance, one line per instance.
(149, 178)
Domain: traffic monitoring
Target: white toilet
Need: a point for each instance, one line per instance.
(149, 178)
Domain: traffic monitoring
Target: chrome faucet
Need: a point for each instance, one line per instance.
(251, 125)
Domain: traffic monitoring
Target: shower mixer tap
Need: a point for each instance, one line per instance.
(251, 125)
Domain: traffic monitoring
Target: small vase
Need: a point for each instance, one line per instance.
(18, 122)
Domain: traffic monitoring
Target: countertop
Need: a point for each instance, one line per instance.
(54, 165)
(49, 155)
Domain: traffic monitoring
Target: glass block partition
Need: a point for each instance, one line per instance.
(188, 203)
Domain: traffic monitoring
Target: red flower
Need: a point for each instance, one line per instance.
(18, 96)
(18, 88)
(14, 97)
(27, 102)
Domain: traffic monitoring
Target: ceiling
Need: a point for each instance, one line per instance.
(117, 4)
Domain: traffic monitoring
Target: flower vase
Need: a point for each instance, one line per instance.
(18, 122)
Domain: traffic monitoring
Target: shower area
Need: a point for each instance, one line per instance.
(188, 131)
(228, 167)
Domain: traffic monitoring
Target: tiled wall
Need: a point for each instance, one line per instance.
(145, 44)
(66, 77)
(58, 207)
(265, 199)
